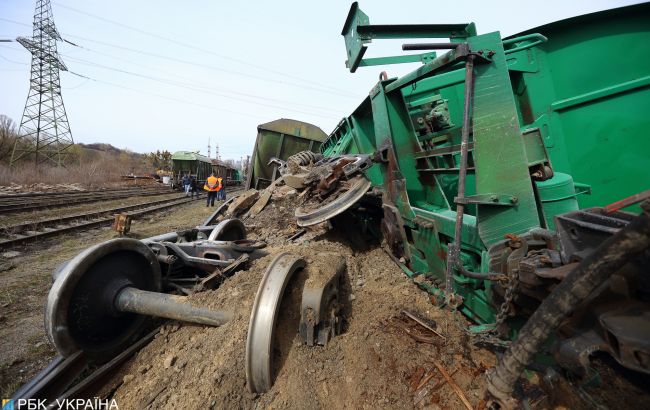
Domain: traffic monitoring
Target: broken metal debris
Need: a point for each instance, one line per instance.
(350, 192)
(100, 298)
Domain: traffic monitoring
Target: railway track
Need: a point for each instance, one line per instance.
(17, 234)
(40, 200)
(75, 376)
(56, 381)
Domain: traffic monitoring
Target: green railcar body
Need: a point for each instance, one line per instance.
(559, 122)
(192, 164)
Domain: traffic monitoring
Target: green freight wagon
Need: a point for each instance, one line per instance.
(280, 139)
(499, 163)
(230, 175)
(190, 163)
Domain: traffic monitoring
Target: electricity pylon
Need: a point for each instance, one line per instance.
(44, 130)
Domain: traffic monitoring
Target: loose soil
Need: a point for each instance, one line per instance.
(374, 362)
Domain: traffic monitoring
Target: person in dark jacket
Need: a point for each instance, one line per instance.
(194, 188)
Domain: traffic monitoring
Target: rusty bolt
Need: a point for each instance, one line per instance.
(490, 54)
(494, 198)
(514, 199)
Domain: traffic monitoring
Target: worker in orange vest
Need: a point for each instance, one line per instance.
(212, 186)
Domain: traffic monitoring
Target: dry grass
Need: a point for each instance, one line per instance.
(91, 173)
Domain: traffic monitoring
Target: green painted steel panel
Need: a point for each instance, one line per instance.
(500, 157)
(192, 163)
(590, 96)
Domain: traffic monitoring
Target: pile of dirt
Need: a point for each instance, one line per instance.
(375, 362)
(276, 223)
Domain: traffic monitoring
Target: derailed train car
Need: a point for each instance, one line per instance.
(280, 139)
(497, 179)
(499, 169)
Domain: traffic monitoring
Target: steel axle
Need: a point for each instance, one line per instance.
(102, 299)
(167, 306)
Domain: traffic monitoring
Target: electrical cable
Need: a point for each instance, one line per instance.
(191, 46)
(219, 89)
(191, 87)
(188, 86)
(195, 64)
(164, 97)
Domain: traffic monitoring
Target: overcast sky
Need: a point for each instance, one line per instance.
(171, 74)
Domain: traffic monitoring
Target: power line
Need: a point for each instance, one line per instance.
(212, 87)
(192, 63)
(191, 46)
(164, 97)
(74, 87)
(189, 86)
(203, 89)
(12, 61)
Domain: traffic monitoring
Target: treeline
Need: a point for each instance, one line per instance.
(84, 163)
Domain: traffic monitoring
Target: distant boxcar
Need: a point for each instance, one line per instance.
(190, 163)
(280, 139)
(230, 175)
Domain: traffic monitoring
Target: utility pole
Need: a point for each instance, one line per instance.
(208, 147)
(216, 151)
(44, 130)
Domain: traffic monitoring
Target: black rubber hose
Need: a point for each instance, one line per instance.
(608, 258)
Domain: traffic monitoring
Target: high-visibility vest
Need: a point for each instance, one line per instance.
(211, 184)
(220, 185)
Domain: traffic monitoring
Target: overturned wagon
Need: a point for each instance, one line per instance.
(280, 139)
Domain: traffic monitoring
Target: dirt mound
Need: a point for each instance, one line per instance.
(374, 363)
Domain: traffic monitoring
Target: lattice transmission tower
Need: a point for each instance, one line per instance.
(44, 129)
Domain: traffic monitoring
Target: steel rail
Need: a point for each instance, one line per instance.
(58, 193)
(28, 198)
(85, 221)
(31, 204)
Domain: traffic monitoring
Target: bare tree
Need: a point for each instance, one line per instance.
(8, 136)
